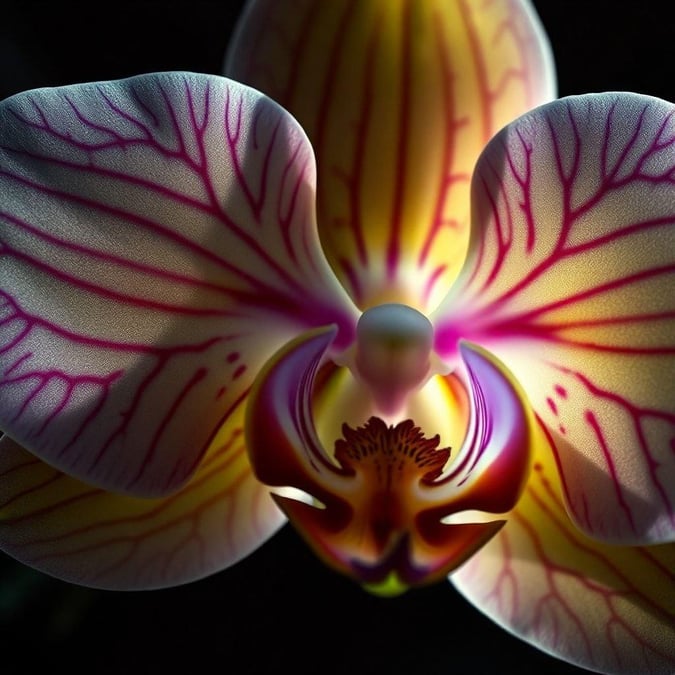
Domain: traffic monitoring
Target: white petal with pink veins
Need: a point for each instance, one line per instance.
(157, 244)
(570, 281)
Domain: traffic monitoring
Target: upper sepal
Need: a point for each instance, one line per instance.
(398, 100)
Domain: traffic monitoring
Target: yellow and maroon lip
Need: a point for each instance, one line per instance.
(374, 508)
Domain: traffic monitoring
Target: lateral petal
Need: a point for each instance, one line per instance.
(398, 99)
(607, 608)
(569, 281)
(158, 243)
(88, 536)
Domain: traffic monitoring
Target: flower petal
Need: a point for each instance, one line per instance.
(158, 243)
(88, 536)
(607, 608)
(398, 99)
(570, 282)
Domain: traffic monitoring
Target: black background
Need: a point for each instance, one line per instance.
(280, 610)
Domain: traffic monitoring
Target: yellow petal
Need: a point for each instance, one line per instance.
(398, 99)
(607, 608)
(88, 536)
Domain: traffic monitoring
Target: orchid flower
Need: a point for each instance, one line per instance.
(404, 299)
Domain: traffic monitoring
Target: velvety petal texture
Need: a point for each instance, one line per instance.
(570, 281)
(607, 608)
(89, 536)
(157, 244)
(398, 99)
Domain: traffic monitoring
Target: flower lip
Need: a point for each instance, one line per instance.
(381, 498)
(399, 569)
(388, 462)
